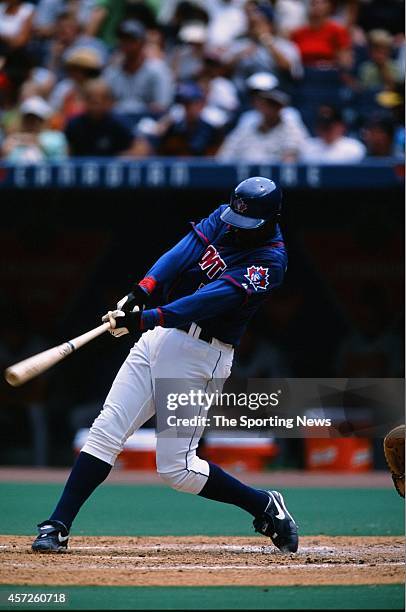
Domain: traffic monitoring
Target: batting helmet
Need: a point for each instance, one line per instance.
(253, 202)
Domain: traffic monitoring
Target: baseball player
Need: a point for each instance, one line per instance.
(209, 284)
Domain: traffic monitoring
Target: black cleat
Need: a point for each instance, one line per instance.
(52, 537)
(278, 524)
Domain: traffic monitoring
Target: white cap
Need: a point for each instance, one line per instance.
(36, 106)
(193, 32)
(262, 81)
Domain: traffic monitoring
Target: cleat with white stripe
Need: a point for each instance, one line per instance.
(53, 536)
(278, 524)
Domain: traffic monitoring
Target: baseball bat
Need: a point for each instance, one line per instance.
(25, 370)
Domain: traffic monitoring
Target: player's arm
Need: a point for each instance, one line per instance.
(223, 295)
(169, 265)
(173, 262)
(220, 296)
(213, 299)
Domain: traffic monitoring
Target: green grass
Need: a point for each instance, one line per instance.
(158, 510)
(386, 597)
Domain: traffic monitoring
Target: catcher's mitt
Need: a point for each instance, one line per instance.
(394, 448)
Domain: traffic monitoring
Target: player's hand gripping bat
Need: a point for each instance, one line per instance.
(25, 370)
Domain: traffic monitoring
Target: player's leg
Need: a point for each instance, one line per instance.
(194, 365)
(271, 517)
(181, 468)
(128, 405)
(178, 463)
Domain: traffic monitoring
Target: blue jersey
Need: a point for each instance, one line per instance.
(207, 279)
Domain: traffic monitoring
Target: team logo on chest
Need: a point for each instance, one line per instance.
(258, 277)
(211, 262)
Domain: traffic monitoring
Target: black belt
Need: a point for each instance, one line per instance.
(204, 335)
(196, 331)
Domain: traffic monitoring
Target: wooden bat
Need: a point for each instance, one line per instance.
(21, 372)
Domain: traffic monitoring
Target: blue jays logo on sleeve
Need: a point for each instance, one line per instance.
(258, 277)
(212, 262)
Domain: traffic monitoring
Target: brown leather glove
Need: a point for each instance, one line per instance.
(394, 449)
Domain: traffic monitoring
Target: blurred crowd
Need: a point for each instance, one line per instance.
(248, 80)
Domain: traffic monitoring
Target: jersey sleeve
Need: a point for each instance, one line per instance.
(173, 262)
(259, 276)
(210, 300)
(184, 253)
(208, 228)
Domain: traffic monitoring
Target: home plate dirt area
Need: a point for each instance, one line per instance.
(201, 561)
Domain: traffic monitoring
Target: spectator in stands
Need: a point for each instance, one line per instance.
(140, 84)
(262, 49)
(188, 129)
(97, 131)
(81, 65)
(270, 138)
(68, 35)
(346, 12)
(16, 61)
(173, 14)
(289, 15)
(46, 17)
(48, 11)
(34, 142)
(66, 31)
(227, 22)
(15, 25)
(265, 82)
(187, 59)
(380, 71)
(378, 135)
(323, 42)
(40, 82)
(220, 91)
(390, 107)
(104, 19)
(15, 69)
(332, 146)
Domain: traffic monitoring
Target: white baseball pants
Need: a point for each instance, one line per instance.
(161, 354)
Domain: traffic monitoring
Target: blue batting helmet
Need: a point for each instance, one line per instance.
(253, 202)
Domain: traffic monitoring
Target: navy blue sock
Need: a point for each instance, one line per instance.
(222, 487)
(87, 473)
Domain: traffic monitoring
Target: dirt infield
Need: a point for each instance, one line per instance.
(202, 561)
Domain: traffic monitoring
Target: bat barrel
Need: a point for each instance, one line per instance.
(12, 377)
(23, 371)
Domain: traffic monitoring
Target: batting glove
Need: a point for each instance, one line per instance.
(137, 297)
(122, 323)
